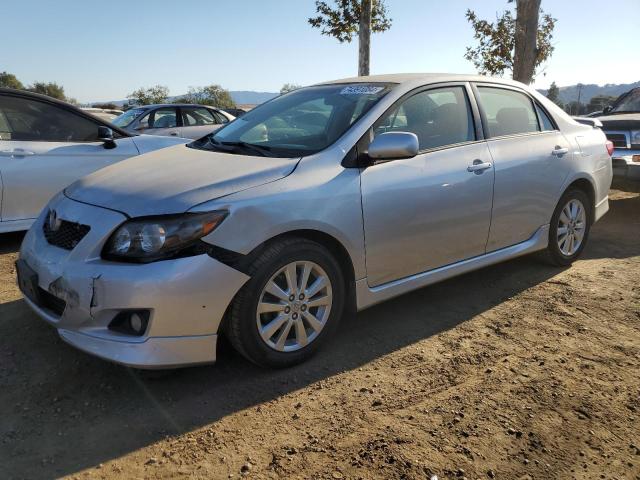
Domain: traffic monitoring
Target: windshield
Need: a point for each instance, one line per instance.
(127, 117)
(298, 123)
(629, 103)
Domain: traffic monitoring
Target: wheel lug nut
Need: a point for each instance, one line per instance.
(287, 310)
(294, 316)
(292, 298)
(303, 308)
(301, 296)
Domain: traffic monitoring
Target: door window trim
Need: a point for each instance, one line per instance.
(356, 157)
(534, 103)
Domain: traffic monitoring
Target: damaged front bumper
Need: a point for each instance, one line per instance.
(186, 297)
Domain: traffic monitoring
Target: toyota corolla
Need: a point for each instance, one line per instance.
(335, 196)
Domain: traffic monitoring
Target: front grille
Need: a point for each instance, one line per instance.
(619, 139)
(51, 302)
(67, 236)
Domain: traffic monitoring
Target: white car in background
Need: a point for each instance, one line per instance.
(46, 144)
(103, 113)
(176, 120)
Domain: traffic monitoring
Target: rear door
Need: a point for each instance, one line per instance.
(43, 148)
(199, 121)
(531, 158)
(433, 209)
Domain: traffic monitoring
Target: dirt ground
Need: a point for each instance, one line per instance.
(520, 370)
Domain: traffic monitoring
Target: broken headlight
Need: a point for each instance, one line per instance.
(156, 238)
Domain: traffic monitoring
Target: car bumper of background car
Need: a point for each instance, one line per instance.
(80, 295)
(626, 163)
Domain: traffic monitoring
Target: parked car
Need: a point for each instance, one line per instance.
(46, 144)
(176, 120)
(102, 113)
(345, 193)
(621, 124)
(236, 112)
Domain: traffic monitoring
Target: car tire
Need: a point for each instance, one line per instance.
(251, 325)
(572, 215)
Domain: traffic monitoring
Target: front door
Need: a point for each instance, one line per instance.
(434, 209)
(43, 149)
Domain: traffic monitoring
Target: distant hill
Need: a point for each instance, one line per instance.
(570, 93)
(241, 97)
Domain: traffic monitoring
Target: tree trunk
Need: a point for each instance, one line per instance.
(526, 50)
(364, 38)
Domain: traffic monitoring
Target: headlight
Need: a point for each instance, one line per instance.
(635, 137)
(154, 238)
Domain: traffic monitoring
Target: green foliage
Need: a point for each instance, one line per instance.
(599, 102)
(106, 106)
(494, 53)
(148, 96)
(343, 20)
(288, 87)
(9, 80)
(51, 89)
(213, 95)
(553, 94)
(575, 108)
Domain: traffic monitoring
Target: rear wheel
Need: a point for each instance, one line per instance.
(290, 306)
(569, 228)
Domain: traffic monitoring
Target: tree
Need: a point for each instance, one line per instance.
(149, 96)
(288, 87)
(520, 45)
(351, 17)
(553, 94)
(599, 102)
(50, 89)
(213, 95)
(9, 80)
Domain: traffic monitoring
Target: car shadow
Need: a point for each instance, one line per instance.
(10, 242)
(83, 411)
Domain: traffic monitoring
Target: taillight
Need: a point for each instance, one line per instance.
(610, 147)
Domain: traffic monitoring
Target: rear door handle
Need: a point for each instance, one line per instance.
(559, 151)
(18, 152)
(478, 166)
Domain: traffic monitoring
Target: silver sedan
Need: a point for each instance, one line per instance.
(339, 195)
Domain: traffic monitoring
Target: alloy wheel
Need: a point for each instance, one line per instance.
(294, 306)
(571, 227)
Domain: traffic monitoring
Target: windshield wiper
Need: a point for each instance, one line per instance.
(260, 149)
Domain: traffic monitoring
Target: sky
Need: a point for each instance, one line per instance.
(104, 50)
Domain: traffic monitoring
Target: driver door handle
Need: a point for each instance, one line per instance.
(478, 166)
(16, 153)
(559, 151)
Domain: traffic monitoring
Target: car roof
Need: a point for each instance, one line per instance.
(164, 105)
(423, 77)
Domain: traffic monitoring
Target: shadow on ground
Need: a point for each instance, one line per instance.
(83, 411)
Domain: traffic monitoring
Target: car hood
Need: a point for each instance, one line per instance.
(174, 179)
(622, 121)
(149, 143)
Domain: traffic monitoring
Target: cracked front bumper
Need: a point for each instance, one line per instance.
(186, 297)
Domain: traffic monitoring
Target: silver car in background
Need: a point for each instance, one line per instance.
(339, 195)
(175, 120)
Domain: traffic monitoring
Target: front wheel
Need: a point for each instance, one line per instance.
(569, 228)
(290, 306)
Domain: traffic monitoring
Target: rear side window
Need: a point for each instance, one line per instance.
(31, 120)
(507, 112)
(545, 121)
(160, 118)
(439, 117)
(195, 117)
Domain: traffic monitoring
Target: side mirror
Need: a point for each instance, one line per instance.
(607, 109)
(393, 146)
(105, 134)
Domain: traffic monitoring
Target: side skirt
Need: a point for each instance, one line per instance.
(16, 225)
(367, 296)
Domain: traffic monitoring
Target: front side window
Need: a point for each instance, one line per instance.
(195, 117)
(299, 123)
(507, 112)
(160, 118)
(31, 120)
(125, 119)
(439, 117)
